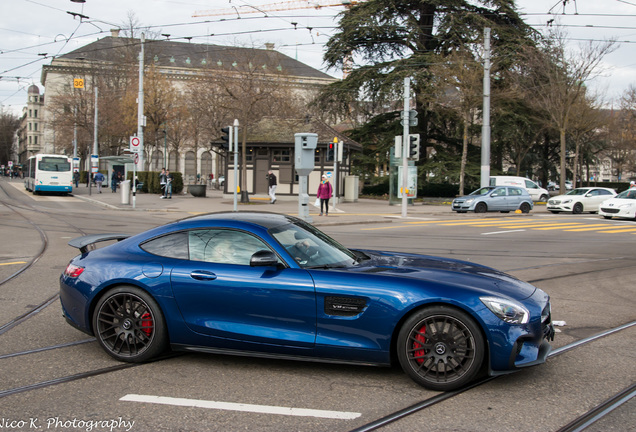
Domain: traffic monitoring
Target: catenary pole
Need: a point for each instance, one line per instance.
(485, 128)
(405, 144)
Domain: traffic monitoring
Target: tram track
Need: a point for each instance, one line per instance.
(429, 402)
(19, 209)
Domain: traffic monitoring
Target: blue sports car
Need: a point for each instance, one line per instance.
(265, 284)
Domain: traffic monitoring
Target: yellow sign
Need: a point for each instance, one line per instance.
(78, 83)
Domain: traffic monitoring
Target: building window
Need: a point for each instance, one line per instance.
(35, 140)
(35, 127)
(30, 113)
(30, 127)
(281, 155)
(35, 113)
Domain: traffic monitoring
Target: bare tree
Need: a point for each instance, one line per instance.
(248, 94)
(558, 78)
(461, 72)
(9, 124)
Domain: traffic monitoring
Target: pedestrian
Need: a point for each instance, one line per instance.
(632, 184)
(76, 177)
(271, 181)
(114, 180)
(168, 188)
(162, 182)
(99, 178)
(324, 193)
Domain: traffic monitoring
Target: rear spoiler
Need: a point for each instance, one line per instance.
(83, 243)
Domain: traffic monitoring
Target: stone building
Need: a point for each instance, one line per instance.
(180, 63)
(30, 135)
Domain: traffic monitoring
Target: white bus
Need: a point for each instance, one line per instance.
(48, 173)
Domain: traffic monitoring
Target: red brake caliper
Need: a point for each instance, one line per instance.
(146, 323)
(419, 354)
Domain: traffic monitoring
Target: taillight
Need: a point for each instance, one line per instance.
(73, 271)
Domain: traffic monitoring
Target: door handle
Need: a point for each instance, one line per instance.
(202, 275)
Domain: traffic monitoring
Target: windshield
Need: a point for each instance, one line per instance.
(628, 194)
(579, 191)
(483, 191)
(56, 164)
(311, 248)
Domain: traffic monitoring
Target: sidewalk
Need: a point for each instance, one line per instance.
(362, 211)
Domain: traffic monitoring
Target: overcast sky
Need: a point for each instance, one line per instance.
(33, 31)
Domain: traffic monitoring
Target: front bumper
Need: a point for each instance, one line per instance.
(517, 346)
(626, 213)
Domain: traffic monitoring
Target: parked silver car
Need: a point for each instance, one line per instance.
(494, 198)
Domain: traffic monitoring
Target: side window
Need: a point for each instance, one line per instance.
(500, 192)
(171, 246)
(515, 191)
(223, 246)
(531, 185)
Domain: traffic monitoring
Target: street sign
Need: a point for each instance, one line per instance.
(135, 144)
(78, 83)
(411, 187)
(94, 163)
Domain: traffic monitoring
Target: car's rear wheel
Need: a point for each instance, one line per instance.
(524, 207)
(544, 198)
(129, 325)
(578, 208)
(441, 348)
(481, 208)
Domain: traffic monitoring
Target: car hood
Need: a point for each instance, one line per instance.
(564, 197)
(445, 271)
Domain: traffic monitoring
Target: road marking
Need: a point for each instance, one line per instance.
(559, 226)
(502, 232)
(593, 227)
(13, 263)
(230, 406)
(620, 230)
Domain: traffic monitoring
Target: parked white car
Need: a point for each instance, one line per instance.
(579, 200)
(622, 205)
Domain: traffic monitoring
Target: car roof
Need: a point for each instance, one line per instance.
(265, 219)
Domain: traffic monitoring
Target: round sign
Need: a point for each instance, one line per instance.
(134, 141)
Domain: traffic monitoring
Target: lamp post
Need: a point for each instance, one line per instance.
(165, 136)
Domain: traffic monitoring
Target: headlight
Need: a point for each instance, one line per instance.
(469, 200)
(567, 201)
(625, 206)
(509, 311)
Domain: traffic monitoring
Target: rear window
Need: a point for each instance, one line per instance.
(173, 245)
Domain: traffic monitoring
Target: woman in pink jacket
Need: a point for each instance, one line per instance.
(324, 193)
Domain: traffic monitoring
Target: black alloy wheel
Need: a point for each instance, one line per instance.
(524, 207)
(441, 348)
(129, 325)
(578, 208)
(481, 208)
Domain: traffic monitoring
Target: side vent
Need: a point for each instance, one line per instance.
(344, 306)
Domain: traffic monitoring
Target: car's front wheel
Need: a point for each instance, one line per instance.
(578, 208)
(441, 348)
(524, 207)
(481, 208)
(129, 325)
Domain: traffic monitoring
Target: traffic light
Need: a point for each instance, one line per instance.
(330, 152)
(414, 146)
(226, 138)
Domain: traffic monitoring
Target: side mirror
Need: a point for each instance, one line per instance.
(264, 258)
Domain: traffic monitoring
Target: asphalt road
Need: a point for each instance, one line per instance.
(589, 274)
